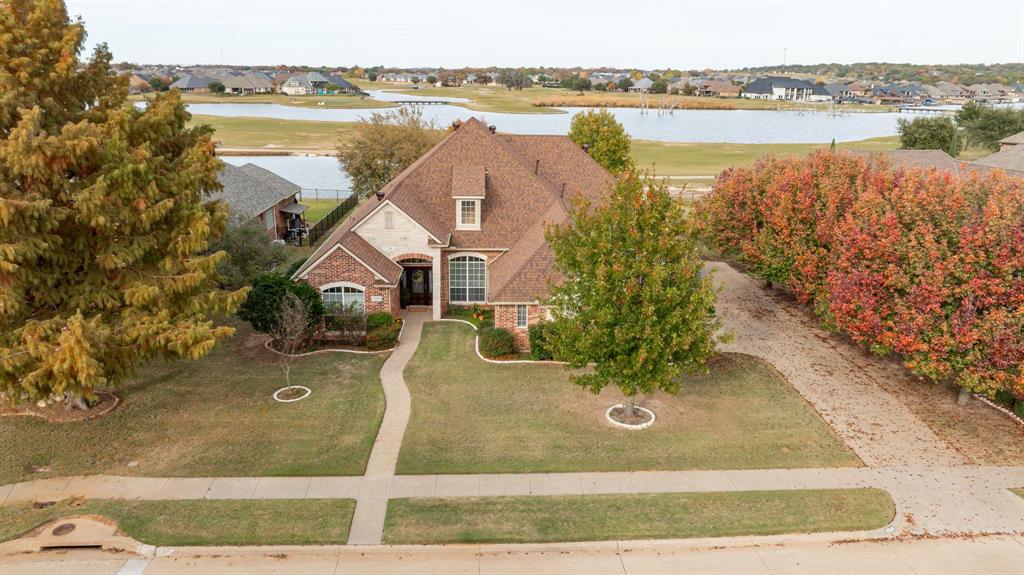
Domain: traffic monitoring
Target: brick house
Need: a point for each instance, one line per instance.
(464, 225)
(252, 192)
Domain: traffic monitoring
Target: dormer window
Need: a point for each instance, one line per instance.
(467, 215)
(469, 188)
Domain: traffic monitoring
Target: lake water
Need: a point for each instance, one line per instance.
(317, 176)
(390, 96)
(727, 126)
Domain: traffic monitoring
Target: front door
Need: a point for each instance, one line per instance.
(418, 286)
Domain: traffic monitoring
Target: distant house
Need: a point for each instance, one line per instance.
(137, 84)
(342, 86)
(641, 85)
(249, 83)
(953, 91)
(716, 89)
(303, 84)
(253, 192)
(190, 83)
(781, 88)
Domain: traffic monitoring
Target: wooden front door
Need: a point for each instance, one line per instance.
(418, 286)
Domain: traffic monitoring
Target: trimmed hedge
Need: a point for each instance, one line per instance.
(496, 342)
(538, 345)
(382, 335)
(379, 319)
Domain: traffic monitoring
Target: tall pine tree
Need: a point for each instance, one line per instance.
(103, 222)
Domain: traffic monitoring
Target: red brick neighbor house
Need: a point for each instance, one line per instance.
(463, 225)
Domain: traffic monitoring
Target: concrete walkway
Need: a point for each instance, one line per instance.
(833, 378)
(994, 555)
(932, 500)
(372, 498)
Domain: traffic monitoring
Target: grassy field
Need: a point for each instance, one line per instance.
(473, 417)
(214, 417)
(271, 133)
(336, 101)
(544, 100)
(202, 522)
(624, 517)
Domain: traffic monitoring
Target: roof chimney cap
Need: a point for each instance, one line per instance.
(492, 128)
(380, 195)
(586, 148)
(456, 124)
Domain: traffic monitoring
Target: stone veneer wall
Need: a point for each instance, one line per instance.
(341, 267)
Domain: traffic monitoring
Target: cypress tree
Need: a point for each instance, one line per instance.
(104, 226)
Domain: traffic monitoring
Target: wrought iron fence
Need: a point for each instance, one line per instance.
(321, 228)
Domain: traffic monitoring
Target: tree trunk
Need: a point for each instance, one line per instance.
(630, 409)
(74, 401)
(963, 398)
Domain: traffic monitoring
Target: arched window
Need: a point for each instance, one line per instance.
(467, 279)
(344, 296)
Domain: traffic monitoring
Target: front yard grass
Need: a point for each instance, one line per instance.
(642, 516)
(214, 417)
(469, 416)
(202, 522)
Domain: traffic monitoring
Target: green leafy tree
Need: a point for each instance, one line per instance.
(262, 307)
(383, 145)
(659, 87)
(216, 87)
(431, 79)
(633, 300)
(625, 84)
(159, 84)
(929, 134)
(104, 226)
(984, 126)
(249, 253)
(604, 138)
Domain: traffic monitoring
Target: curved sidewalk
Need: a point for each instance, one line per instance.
(372, 497)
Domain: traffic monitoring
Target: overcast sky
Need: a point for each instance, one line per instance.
(676, 34)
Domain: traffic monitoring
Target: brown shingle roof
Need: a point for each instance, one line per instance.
(1013, 140)
(469, 181)
(527, 180)
(372, 257)
(1009, 158)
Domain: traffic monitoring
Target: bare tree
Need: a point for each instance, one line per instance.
(292, 331)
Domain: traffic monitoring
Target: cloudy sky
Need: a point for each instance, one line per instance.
(678, 34)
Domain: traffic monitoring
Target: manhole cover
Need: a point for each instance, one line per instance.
(63, 529)
(43, 504)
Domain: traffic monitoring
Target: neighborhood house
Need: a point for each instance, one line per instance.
(252, 192)
(463, 225)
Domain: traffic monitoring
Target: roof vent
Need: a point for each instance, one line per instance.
(586, 148)
(456, 124)
(380, 195)
(493, 129)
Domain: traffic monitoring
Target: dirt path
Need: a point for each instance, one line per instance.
(834, 377)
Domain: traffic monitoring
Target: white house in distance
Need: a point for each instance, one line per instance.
(779, 88)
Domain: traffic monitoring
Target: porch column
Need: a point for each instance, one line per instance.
(435, 274)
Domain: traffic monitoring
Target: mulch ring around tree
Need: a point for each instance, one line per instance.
(641, 417)
(57, 411)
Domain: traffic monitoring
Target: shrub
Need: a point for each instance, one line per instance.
(1018, 408)
(496, 342)
(538, 346)
(263, 303)
(384, 336)
(379, 319)
(294, 266)
(345, 324)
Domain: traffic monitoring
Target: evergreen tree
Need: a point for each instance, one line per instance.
(103, 223)
(604, 138)
(633, 300)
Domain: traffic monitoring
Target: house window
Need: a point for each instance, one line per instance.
(467, 280)
(344, 296)
(468, 215)
(522, 315)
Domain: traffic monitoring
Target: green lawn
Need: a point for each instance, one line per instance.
(335, 101)
(469, 416)
(318, 209)
(624, 517)
(215, 417)
(202, 522)
(273, 134)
